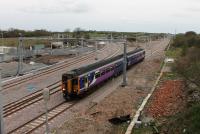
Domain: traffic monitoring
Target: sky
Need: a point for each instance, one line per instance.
(106, 15)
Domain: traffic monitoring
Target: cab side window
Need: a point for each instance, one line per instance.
(97, 75)
(86, 79)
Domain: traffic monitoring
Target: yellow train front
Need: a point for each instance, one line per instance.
(70, 85)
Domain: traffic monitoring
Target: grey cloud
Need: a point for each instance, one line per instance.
(57, 6)
(193, 9)
(180, 15)
(188, 12)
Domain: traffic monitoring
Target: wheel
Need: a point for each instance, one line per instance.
(66, 97)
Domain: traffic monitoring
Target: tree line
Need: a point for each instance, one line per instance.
(76, 33)
(11, 33)
(188, 63)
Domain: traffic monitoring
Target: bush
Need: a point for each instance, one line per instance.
(189, 39)
(185, 122)
(189, 65)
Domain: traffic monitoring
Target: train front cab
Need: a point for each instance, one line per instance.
(70, 85)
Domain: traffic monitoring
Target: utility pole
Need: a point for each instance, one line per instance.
(136, 41)
(147, 41)
(2, 37)
(124, 83)
(96, 54)
(82, 44)
(149, 38)
(111, 38)
(175, 34)
(20, 55)
(51, 40)
(1, 107)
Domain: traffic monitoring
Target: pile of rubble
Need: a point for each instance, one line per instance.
(167, 99)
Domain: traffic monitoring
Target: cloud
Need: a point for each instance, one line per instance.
(180, 15)
(56, 7)
(193, 9)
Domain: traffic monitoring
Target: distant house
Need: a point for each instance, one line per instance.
(101, 43)
(5, 57)
(37, 47)
(58, 44)
(2, 57)
(7, 50)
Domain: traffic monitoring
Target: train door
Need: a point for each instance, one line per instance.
(82, 83)
(75, 85)
(66, 83)
(90, 78)
(86, 82)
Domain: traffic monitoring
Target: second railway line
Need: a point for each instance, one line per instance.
(35, 97)
(50, 70)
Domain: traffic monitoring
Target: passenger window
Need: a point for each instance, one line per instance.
(82, 80)
(107, 70)
(75, 81)
(103, 72)
(97, 75)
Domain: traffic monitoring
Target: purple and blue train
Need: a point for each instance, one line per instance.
(77, 81)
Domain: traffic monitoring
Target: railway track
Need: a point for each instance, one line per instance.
(28, 100)
(33, 98)
(48, 71)
(39, 121)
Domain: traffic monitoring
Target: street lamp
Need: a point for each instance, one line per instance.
(2, 37)
(124, 83)
(20, 55)
(96, 50)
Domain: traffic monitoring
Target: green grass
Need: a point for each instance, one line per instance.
(151, 128)
(174, 52)
(188, 121)
(161, 65)
(170, 76)
(15, 42)
(147, 130)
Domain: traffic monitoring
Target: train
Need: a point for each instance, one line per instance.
(82, 79)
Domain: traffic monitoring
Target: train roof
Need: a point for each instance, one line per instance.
(93, 66)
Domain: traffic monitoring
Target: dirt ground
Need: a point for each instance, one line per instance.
(123, 101)
(167, 99)
(51, 59)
